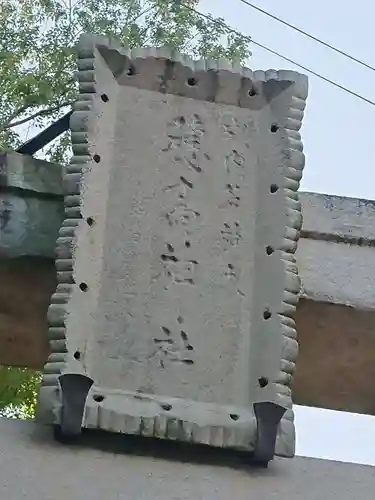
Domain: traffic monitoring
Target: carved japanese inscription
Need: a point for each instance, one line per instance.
(176, 308)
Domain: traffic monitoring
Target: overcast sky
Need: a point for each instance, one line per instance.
(338, 134)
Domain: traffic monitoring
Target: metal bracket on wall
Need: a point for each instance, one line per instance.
(268, 416)
(46, 136)
(75, 388)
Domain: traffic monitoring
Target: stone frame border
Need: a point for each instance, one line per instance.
(124, 60)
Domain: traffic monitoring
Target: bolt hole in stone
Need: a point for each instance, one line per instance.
(274, 188)
(77, 355)
(252, 93)
(269, 250)
(166, 407)
(234, 416)
(274, 128)
(192, 82)
(83, 287)
(97, 158)
(90, 221)
(104, 98)
(98, 398)
(267, 314)
(263, 382)
(131, 71)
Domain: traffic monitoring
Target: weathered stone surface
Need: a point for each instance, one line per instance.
(340, 219)
(27, 173)
(336, 251)
(181, 251)
(31, 208)
(29, 225)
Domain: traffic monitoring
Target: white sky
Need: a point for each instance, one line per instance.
(335, 435)
(338, 138)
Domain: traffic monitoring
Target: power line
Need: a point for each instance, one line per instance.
(220, 23)
(325, 79)
(305, 33)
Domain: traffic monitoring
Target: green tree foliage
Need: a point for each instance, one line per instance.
(18, 392)
(37, 68)
(37, 51)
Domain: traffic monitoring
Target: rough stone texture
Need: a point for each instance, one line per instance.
(27, 173)
(176, 270)
(337, 273)
(338, 218)
(32, 466)
(28, 225)
(30, 206)
(336, 252)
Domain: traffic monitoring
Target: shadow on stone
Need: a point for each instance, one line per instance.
(164, 449)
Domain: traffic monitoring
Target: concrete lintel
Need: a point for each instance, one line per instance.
(31, 207)
(29, 225)
(23, 172)
(338, 219)
(337, 249)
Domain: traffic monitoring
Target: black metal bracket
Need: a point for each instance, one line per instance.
(75, 388)
(46, 136)
(268, 416)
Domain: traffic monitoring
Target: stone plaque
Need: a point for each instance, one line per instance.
(176, 270)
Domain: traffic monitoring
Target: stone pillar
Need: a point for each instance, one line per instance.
(176, 270)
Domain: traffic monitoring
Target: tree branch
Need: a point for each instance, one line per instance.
(14, 115)
(142, 13)
(41, 112)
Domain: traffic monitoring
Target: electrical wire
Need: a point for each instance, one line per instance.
(220, 23)
(308, 35)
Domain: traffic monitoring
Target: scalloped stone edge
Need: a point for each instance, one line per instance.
(49, 397)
